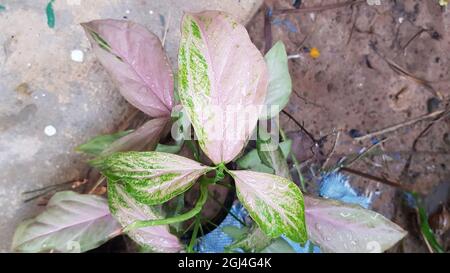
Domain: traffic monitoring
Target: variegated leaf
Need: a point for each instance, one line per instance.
(151, 177)
(145, 137)
(127, 210)
(136, 60)
(275, 203)
(338, 227)
(222, 82)
(71, 222)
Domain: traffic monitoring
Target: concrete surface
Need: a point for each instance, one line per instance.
(54, 95)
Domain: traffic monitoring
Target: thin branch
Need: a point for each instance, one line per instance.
(378, 179)
(319, 8)
(401, 125)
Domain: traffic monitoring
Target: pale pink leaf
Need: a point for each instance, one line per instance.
(341, 228)
(223, 82)
(145, 137)
(71, 222)
(136, 60)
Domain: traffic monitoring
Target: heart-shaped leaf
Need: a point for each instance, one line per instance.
(274, 202)
(222, 82)
(338, 227)
(145, 137)
(136, 60)
(127, 210)
(151, 177)
(71, 222)
(280, 83)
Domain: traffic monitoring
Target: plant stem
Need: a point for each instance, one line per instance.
(194, 235)
(296, 163)
(179, 218)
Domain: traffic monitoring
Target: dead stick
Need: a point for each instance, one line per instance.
(375, 178)
(316, 9)
(400, 125)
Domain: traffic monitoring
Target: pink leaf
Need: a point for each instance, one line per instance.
(222, 82)
(145, 137)
(136, 60)
(338, 227)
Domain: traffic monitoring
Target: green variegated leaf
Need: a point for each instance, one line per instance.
(150, 177)
(280, 83)
(222, 82)
(127, 210)
(275, 203)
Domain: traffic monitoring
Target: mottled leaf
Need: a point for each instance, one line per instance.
(222, 82)
(275, 203)
(71, 222)
(280, 83)
(136, 60)
(98, 144)
(279, 246)
(254, 241)
(127, 210)
(339, 227)
(151, 177)
(144, 138)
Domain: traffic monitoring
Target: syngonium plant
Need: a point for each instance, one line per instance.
(221, 75)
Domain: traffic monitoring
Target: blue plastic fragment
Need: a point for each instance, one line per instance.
(336, 186)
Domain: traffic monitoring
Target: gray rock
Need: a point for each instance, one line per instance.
(54, 95)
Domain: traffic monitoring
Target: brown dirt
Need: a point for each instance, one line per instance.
(355, 86)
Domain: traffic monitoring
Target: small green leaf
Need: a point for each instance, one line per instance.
(98, 144)
(255, 241)
(150, 177)
(50, 14)
(275, 204)
(272, 155)
(280, 83)
(235, 232)
(251, 161)
(279, 246)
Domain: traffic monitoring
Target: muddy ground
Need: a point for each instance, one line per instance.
(379, 66)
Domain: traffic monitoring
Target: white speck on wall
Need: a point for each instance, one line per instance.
(50, 130)
(401, 19)
(128, 11)
(77, 56)
(151, 12)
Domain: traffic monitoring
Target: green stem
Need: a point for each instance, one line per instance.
(296, 163)
(190, 248)
(179, 218)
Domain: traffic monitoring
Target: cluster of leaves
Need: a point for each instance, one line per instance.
(218, 65)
